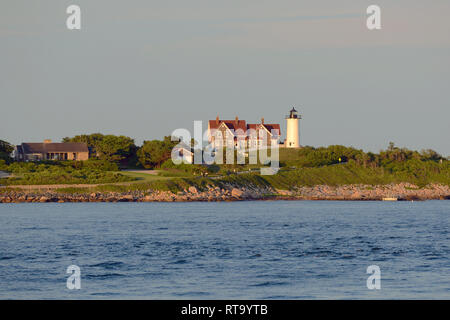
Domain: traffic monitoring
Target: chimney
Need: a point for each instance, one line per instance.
(262, 120)
(237, 121)
(47, 141)
(217, 120)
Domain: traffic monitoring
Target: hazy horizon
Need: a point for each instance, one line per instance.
(145, 68)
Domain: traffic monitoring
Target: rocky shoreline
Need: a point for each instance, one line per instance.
(401, 191)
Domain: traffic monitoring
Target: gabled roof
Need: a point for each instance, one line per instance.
(40, 147)
(184, 146)
(269, 127)
(273, 127)
(231, 124)
(241, 124)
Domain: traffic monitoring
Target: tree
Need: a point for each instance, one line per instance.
(115, 148)
(391, 146)
(6, 147)
(153, 153)
(5, 150)
(107, 147)
(90, 139)
(430, 154)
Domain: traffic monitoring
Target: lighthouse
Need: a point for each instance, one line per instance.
(292, 139)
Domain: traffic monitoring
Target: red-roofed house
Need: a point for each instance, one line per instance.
(262, 134)
(237, 132)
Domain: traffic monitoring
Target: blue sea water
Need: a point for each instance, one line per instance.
(226, 250)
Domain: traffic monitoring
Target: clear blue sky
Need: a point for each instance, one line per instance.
(144, 68)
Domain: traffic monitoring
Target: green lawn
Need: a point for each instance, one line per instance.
(154, 175)
(143, 177)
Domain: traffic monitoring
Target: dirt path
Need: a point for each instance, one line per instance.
(58, 186)
(4, 174)
(152, 172)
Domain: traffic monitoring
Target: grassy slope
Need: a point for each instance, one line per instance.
(285, 179)
(420, 173)
(351, 174)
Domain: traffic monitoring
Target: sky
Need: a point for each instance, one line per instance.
(144, 68)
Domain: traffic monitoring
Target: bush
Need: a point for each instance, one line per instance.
(3, 165)
(101, 165)
(68, 172)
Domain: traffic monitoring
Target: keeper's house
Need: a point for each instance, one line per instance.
(48, 150)
(234, 132)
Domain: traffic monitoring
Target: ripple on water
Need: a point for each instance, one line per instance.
(104, 276)
(109, 265)
(248, 250)
(269, 284)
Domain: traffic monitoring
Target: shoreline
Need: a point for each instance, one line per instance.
(395, 192)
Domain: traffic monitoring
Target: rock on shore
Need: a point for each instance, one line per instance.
(402, 191)
(192, 194)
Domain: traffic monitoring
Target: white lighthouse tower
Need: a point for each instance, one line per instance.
(292, 137)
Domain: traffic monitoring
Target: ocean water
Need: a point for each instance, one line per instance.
(226, 250)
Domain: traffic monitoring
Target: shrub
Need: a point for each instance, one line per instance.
(62, 173)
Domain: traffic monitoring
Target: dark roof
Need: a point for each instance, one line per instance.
(54, 147)
(268, 126)
(273, 127)
(241, 124)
